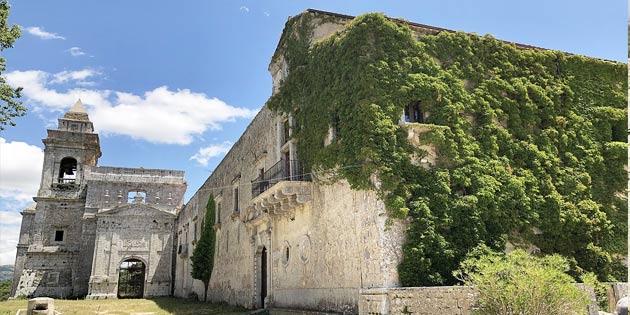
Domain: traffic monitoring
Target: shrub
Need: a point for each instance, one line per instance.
(5, 289)
(519, 283)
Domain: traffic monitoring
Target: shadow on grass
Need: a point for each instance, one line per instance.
(176, 306)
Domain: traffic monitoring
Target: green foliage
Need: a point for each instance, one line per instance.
(528, 140)
(203, 255)
(11, 107)
(518, 283)
(5, 289)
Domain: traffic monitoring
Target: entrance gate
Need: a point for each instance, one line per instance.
(131, 279)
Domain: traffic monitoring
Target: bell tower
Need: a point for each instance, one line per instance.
(55, 237)
(70, 148)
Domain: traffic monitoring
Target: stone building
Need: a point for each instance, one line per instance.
(285, 237)
(290, 238)
(97, 231)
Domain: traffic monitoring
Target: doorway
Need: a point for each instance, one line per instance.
(263, 276)
(131, 279)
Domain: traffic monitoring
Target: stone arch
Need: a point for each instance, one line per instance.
(68, 169)
(132, 274)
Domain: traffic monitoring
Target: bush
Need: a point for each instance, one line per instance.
(5, 289)
(519, 283)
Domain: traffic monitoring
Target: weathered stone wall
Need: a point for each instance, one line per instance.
(20, 258)
(232, 275)
(135, 231)
(337, 238)
(419, 301)
(108, 187)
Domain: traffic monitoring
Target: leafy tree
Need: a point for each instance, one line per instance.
(203, 255)
(519, 283)
(10, 107)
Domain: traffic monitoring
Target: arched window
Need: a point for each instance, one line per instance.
(67, 170)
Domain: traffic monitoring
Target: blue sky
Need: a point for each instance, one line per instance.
(173, 85)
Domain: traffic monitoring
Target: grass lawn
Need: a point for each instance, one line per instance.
(158, 306)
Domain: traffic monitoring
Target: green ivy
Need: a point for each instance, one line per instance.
(529, 141)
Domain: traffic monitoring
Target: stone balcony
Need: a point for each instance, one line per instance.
(281, 199)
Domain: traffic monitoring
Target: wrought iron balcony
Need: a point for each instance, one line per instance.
(284, 170)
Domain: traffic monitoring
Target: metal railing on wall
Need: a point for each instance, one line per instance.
(284, 170)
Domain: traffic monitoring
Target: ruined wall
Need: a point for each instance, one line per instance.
(134, 231)
(419, 301)
(109, 187)
(138, 228)
(51, 267)
(22, 247)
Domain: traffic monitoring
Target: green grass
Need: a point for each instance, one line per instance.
(158, 306)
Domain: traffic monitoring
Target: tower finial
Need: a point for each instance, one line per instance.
(78, 107)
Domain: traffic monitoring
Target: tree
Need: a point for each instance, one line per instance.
(519, 283)
(203, 254)
(10, 107)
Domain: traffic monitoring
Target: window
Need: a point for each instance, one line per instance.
(52, 277)
(67, 170)
(236, 199)
(195, 232)
(413, 113)
(286, 253)
(136, 196)
(218, 219)
(59, 236)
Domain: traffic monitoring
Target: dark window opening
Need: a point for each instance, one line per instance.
(413, 113)
(67, 171)
(218, 213)
(235, 199)
(59, 236)
(286, 254)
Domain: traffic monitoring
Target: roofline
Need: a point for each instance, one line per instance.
(440, 29)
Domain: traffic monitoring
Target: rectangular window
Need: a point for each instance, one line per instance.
(218, 220)
(59, 236)
(236, 199)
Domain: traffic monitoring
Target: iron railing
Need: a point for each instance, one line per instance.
(284, 170)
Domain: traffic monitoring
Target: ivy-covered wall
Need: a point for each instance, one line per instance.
(530, 143)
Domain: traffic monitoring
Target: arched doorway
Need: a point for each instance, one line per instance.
(131, 279)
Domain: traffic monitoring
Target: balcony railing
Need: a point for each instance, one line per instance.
(284, 170)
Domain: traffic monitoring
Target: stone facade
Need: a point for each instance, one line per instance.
(89, 219)
(319, 243)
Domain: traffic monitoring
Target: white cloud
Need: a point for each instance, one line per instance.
(9, 237)
(266, 13)
(35, 84)
(205, 154)
(76, 51)
(20, 170)
(244, 8)
(10, 217)
(39, 32)
(160, 115)
(80, 76)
